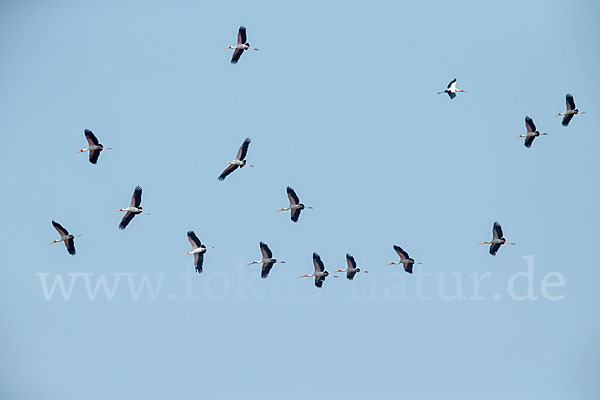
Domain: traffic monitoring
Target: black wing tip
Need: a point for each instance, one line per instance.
(88, 131)
(190, 233)
(121, 227)
(247, 140)
(496, 223)
(234, 61)
(528, 118)
(569, 96)
(242, 28)
(199, 270)
(138, 188)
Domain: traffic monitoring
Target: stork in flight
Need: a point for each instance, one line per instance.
(240, 160)
(405, 260)
(66, 237)
(267, 260)
(571, 110)
(94, 147)
(531, 134)
(134, 208)
(498, 239)
(452, 90)
(198, 250)
(351, 271)
(240, 46)
(320, 274)
(295, 205)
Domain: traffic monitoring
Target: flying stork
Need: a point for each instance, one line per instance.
(351, 271)
(452, 90)
(498, 239)
(240, 46)
(66, 237)
(134, 208)
(295, 205)
(240, 160)
(405, 260)
(571, 110)
(94, 147)
(531, 134)
(320, 274)
(198, 250)
(267, 260)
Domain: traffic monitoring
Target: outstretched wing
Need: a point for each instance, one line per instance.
(401, 253)
(136, 198)
(295, 214)
(497, 231)
(266, 269)
(294, 200)
(566, 119)
(91, 138)
(266, 252)
(194, 241)
(243, 150)
(319, 281)
(318, 263)
(451, 94)
(227, 171)
(70, 244)
(126, 220)
(408, 267)
(59, 228)
(241, 39)
(94, 154)
(530, 125)
(198, 261)
(237, 53)
(570, 102)
(529, 141)
(494, 247)
(350, 261)
(452, 84)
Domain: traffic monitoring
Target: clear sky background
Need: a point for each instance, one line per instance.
(341, 104)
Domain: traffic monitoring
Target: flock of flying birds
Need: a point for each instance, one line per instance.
(295, 207)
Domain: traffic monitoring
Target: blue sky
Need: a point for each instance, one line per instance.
(341, 104)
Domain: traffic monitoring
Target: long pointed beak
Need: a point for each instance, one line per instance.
(253, 262)
(78, 151)
(54, 241)
(339, 270)
(229, 47)
(517, 137)
(482, 243)
(120, 209)
(186, 253)
(556, 115)
(281, 209)
(390, 263)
